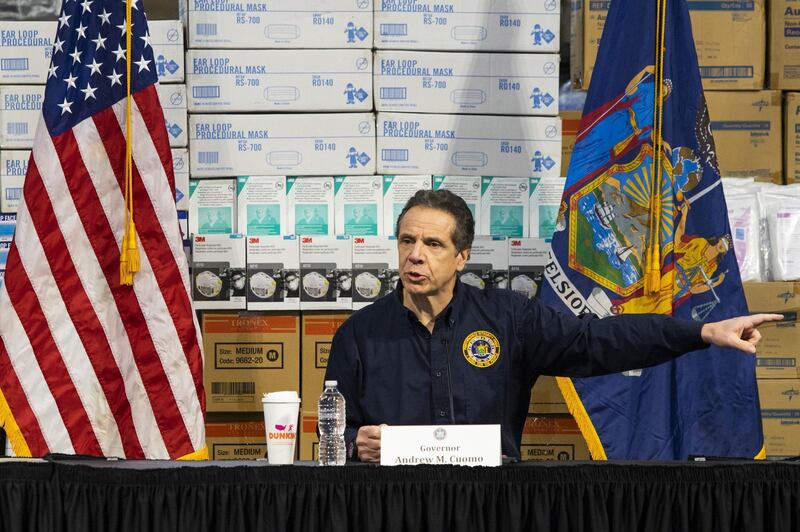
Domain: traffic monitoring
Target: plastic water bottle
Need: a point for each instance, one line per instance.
(332, 421)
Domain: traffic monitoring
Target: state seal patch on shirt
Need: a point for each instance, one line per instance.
(481, 349)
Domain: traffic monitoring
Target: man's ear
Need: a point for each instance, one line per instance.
(461, 259)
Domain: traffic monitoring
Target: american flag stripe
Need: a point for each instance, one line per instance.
(17, 401)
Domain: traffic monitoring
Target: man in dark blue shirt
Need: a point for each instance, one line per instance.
(439, 351)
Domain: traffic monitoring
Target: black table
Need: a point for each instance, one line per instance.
(252, 496)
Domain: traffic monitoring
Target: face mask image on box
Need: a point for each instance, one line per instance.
(315, 285)
(208, 284)
(473, 280)
(262, 285)
(524, 285)
(367, 285)
(344, 284)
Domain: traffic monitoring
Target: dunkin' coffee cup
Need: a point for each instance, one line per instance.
(281, 410)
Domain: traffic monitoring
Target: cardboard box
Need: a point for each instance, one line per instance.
(780, 415)
(397, 190)
(504, 206)
(468, 25)
(553, 438)
(747, 132)
(166, 38)
(176, 118)
(25, 51)
(219, 271)
(236, 440)
(13, 167)
(20, 111)
(487, 266)
(8, 224)
(305, 144)
(784, 45)
(730, 38)
(261, 204)
(280, 24)
(273, 273)
(326, 272)
(358, 205)
(279, 80)
(180, 168)
(527, 258)
(570, 121)
(317, 335)
(248, 355)
(546, 397)
(545, 202)
(375, 268)
(309, 205)
(791, 133)
(469, 145)
(467, 187)
(212, 206)
(778, 353)
(431, 82)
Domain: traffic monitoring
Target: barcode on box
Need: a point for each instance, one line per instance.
(726, 72)
(208, 91)
(206, 29)
(775, 362)
(393, 93)
(18, 63)
(208, 157)
(14, 193)
(233, 388)
(394, 29)
(394, 155)
(17, 128)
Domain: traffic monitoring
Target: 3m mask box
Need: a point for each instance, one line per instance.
(467, 187)
(180, 168)
(166, 38)
(13, 167)
(397, 190)
(212, 206)
(304, 144)
(176, 118)
(20, 111)
(358, 202)
(375, 268)
(545, 200)
(527, 258)
(261, 202)
(487, 266)
(280, 24)
(25, 51)
(279, 80)
(326, 272)
(273, 273)
(431, 82)
(503, 26)
(504, 206)
(309, 205)
(219, 271)
(469, 145)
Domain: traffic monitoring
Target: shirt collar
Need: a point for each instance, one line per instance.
(450, 312)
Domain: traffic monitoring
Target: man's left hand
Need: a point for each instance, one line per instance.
(740, 333)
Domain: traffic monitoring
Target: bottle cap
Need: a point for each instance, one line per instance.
(331, 383)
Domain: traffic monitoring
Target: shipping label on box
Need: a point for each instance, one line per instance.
(553, 438)
(218, 271)
(261, 204)
(375, 268)
(545, 201)
(309, 205)
(487, 266)
(180, 168)
(468, 25)
(358, 202)
(20, 111)
(273, 273)
(279, 80)
(504, 206)
(546, 397)
(780, 415)
(248, 355)
(212, 204)
(467, 188)
(430, 82)
(25, 51)
(747, 132)
(791, 124)
(306, 144)
(280, 24)
(176, 118)
(13, 167)
(236, 440)
(166, 38)
(527, 258)
(397, 190)
(326, 271)
(469, 145)
(778, 352)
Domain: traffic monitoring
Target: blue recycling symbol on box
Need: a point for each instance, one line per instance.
(363, 158)
(548, 36)
(361, 33)
(174, 130)
(172, 66)
(548, 162)
(362, 95)
(547, 99)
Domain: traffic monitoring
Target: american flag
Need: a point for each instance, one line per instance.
(88, 366)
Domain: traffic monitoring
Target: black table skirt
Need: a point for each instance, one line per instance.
(250, 497)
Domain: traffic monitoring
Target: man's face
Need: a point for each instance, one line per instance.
(428, 258)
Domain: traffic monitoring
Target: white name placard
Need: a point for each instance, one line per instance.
(469, 445)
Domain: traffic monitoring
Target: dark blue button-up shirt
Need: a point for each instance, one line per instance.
(482, 358)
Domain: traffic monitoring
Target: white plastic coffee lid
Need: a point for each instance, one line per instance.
(281, 397)
(331, 383)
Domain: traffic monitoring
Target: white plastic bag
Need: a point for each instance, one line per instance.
(744, 219)
(780, 209)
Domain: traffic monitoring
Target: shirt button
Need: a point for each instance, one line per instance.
(442, 413)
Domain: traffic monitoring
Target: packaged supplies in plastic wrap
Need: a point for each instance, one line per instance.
(744, 219)
(780, 207)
